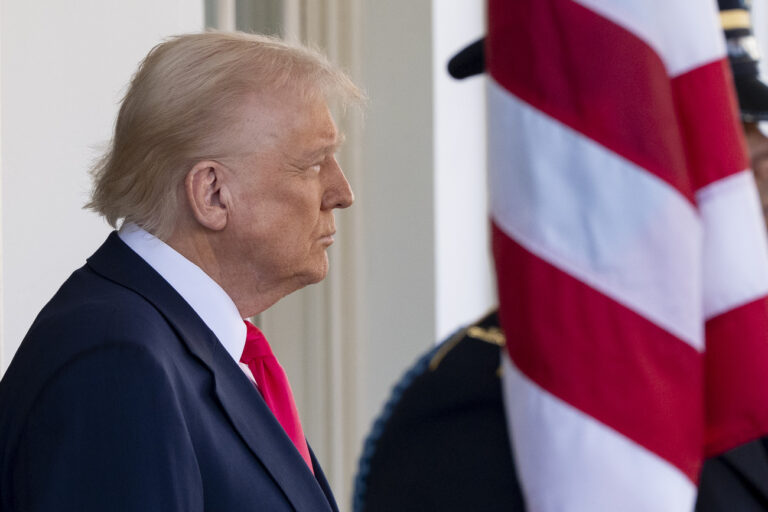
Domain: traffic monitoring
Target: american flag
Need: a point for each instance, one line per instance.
(630, 250)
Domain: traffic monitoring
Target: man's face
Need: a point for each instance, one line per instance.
(758, 154)
(285, 184)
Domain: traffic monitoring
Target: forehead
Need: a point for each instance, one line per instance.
(283, 120)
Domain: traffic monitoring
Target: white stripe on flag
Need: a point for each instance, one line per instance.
(563, 457)
(680, 32)
(735, 245)
(595, 215)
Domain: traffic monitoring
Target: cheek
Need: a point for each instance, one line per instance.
(761, 176)
(300, 210)
(287, 214)
(290, 224)
(761, 169)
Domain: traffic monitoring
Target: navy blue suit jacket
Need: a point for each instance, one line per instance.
(120, 398)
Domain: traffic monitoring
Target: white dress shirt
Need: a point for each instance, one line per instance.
(207, 298)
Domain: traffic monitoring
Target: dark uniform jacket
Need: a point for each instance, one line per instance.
(442, 443)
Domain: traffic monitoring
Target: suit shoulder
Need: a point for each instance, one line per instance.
(117, 398)
(88, 314)
(90, 307)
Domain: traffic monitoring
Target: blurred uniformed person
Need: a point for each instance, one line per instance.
(441, 442)
(744, 56)
(738, 480)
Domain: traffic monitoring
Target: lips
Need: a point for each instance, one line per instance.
(328, 238)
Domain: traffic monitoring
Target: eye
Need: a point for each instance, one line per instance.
(317, 165)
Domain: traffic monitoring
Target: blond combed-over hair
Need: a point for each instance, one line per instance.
(177, 110)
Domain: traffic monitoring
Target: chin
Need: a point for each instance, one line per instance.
(315, 277)
(313, 274)
(309, 276)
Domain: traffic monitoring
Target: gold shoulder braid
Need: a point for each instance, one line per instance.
(445, 348)
(492, 335)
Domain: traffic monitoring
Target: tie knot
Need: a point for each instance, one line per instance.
(256, 345)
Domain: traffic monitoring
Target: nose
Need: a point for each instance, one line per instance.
(338, 193)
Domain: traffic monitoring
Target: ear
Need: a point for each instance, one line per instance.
(203, 187)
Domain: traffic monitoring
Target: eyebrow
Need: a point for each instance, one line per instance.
(326, 149)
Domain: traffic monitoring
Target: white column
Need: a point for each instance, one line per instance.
(464, 285)
(226, 15)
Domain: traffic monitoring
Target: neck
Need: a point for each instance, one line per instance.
(251, 293)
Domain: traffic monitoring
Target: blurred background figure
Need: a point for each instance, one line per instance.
(441, 442)
(738, 479)
(744, 56)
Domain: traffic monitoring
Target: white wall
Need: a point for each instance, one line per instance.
(464, 286)
(421, 186)
(63, 67)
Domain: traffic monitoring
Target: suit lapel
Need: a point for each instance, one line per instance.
(239, 398)
(320, 476)
(750, 462)
(266, 437)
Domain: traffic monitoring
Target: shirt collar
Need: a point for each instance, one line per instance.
(207, 298)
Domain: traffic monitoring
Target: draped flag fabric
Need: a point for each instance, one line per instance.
(630, 250)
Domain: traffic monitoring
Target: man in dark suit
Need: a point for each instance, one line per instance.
(139, 387)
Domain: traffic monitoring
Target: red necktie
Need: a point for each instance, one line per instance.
(273, 385)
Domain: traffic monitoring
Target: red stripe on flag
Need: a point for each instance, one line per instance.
(592, 75)
(736, 364)
(710, 124)
(601, 357)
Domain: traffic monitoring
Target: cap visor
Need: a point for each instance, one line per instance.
(469, 61)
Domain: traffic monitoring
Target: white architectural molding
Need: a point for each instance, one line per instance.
(226, 15)
(292, 20)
